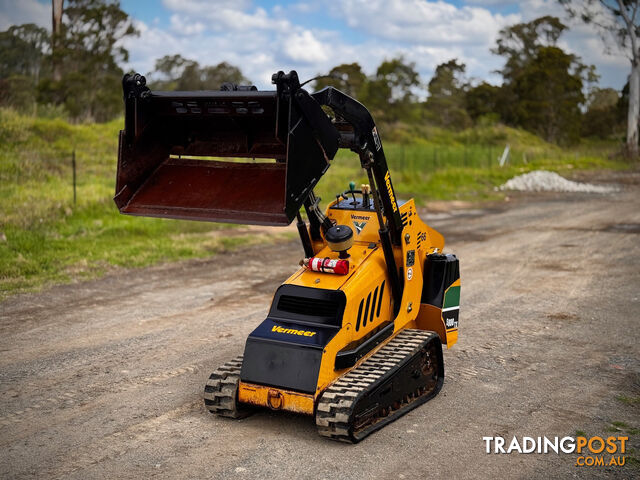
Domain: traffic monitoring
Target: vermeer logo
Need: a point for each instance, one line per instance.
(387, 179)
(359, 226)
(293, 331)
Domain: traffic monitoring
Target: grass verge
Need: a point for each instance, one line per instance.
(46, 237)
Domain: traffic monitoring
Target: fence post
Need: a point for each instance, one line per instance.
(402, 162)
(505, 155)
(73, 166)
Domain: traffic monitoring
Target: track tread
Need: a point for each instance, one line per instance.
(221, 391)
(335, 407)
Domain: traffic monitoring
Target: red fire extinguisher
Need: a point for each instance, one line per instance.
(326, 265)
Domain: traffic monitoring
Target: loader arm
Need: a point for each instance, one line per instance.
(172, 159)
(366, 142)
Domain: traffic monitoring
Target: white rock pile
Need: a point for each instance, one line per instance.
(545, 181)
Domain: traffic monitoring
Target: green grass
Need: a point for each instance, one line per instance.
(629, 400)
(618, 426)
(430, 170)
(46, 238)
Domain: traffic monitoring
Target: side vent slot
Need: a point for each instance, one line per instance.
(380, 298)
(371, 311)
(373, 304)
(359, 315)
(366, 310)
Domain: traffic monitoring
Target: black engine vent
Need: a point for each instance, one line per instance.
(308, 305)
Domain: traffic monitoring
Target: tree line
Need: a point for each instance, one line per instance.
(544, 90)
(75, 69)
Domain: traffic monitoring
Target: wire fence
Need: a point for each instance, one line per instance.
(407, 158)
(75, 166)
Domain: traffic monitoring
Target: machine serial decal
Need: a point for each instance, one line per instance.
(293, 331)
(387, 180)
(451, 322)
(359, 226)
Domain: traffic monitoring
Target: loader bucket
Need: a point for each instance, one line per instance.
(240, 156)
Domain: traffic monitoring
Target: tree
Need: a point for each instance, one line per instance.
(549, 92)
(22, 52)
(57, 6)
(519, 44)
(88, 50)
(542, 89)
(174, 72)
(446, 102)
(618, 19)
(168, 70)
(347, 77)
(482, 100)
(602, 117)
(390, 93)
(212, 77)
(22, 49)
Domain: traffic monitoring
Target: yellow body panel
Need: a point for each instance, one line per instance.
(367, 271)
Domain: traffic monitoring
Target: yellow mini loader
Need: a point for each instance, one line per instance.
(354, 337)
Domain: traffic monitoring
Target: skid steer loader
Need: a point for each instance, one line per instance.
(354, 337)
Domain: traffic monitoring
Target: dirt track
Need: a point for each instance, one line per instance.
(103, 379)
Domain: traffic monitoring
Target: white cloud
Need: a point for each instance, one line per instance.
(224, 15)
(201, 7)
(24, 11)
(421, 22)
(490, 3)
(182, 26)
(261, 41)
(304, 47)
(255, 40)
(429, 33)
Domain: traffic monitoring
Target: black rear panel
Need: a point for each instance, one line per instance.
(285, 350)
(293, 367)
(285, 354)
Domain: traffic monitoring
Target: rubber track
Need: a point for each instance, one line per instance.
(335, 407)
(221, 391)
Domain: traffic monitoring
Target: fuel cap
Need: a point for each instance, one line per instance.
(340, 239)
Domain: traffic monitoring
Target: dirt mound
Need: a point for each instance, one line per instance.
(545, 181)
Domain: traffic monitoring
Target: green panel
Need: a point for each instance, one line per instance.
(452, 297)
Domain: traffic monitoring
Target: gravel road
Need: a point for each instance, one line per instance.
(103, 379)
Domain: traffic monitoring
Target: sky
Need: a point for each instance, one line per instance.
(312, 36)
